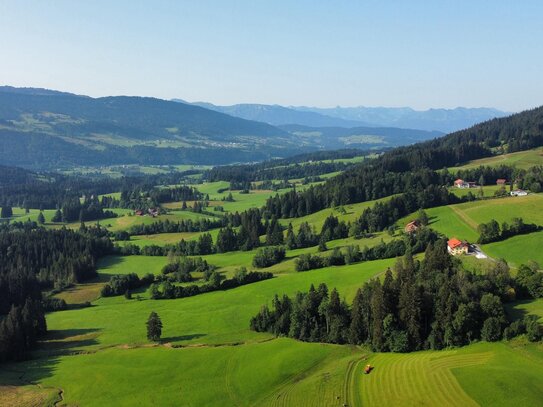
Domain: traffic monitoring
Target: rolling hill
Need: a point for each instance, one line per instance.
(360, 137)
(44, 129)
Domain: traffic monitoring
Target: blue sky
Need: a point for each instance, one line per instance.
(321, 53)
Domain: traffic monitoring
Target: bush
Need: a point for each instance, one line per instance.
(268, 256)
(51, 304)
(491, 331)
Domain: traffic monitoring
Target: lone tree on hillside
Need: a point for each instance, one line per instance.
(41, 218)
(154, 327)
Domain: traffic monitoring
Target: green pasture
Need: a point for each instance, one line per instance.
(521, 159)
(485, 374)
(518, 249)
(347, 213)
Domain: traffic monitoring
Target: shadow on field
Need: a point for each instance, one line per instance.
(182, 338)
(513, 313)
(68, 341)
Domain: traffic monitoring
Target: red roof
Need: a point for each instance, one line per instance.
(454, 243)
(501, 181)
(459, 181)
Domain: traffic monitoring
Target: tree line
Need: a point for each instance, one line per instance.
(491, 231)
(166, 290)
(430, 304)
(412, 243)
(33, 259)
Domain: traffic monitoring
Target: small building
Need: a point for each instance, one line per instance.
(457, 247)
(519, 192)
(139, 213)
(501, 181)
(460, 183)
(412, 226)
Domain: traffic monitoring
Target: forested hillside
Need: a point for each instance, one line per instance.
(415, 167)
(45, 128)
(40, 128)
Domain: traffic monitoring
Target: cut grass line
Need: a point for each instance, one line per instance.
(420, 378)
(470, 222)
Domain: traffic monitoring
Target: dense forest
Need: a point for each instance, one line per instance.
(33, 259)
(430, 304)
(299, 166)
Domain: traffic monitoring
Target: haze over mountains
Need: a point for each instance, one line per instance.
(442, 120)
(41, 128)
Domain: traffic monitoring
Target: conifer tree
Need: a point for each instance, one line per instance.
(154, 327)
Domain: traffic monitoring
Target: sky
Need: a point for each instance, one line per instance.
(421, 54)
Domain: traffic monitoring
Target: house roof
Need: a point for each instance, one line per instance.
(458, 181)
(501, 180)
(454, 243)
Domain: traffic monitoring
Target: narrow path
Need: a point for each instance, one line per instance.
(470, 222)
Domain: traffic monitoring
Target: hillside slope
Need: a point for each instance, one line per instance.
(43, 128)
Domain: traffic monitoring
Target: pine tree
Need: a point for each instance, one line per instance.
(291, 239)
(6, 212)
(154, 327)
(41, 218)
(58, 216)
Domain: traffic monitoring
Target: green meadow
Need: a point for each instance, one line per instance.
(484, 374)
(462, 220)
(521, 159)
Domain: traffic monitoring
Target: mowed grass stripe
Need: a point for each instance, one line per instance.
(420, 378)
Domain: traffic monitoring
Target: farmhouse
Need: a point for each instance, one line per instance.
(519, 192)
(412, 226)
(501, 181)
(457, 247)
(460, 183)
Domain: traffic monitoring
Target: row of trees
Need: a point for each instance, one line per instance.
(166, 290)
(293, 167)
(182, 226)
(419, 305)
(412, 243)
(491, 231)
(123, 283)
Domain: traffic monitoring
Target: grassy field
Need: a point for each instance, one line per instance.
(352, 212)
(488, 191)
(521, 159)
(214, 318)
(461, 221)
(268, 373)
(19, 215)
(518, 249)
(242, 367)
(126, 219)
(99, 355)
(482, 374)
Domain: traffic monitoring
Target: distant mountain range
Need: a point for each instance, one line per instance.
(279, 115)
(44, 129)
(443, 120)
